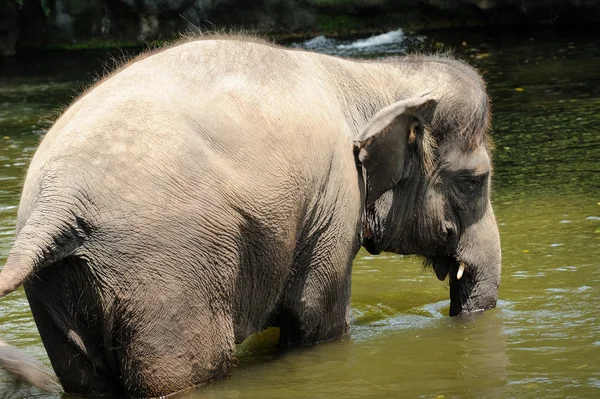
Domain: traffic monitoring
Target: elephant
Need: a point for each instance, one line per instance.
(222, 185)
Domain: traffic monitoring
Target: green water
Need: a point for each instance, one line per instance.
(543, 340)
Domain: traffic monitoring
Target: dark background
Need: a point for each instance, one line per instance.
(27, 24)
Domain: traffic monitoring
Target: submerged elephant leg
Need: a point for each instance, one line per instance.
(316, 305)
(317, 308)
(318, 315)
(172, 343)
(150, 340)
(69, 326)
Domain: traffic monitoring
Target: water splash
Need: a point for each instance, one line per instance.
(393, 42)
(396, 36)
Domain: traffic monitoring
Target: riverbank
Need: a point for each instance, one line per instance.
(67, 24)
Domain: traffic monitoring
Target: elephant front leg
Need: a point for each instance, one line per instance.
(316, 306)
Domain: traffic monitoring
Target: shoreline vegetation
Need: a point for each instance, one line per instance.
(105, 24)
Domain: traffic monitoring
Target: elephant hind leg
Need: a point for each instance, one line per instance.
(153, 343)
(170, 345)
(70, 329)
(158, 373)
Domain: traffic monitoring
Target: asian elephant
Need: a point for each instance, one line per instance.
(211, 189)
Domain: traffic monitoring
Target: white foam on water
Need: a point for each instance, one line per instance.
(395, 36)
(390, 42)
(318, 42)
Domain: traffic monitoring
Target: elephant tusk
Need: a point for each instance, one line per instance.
(461, 269)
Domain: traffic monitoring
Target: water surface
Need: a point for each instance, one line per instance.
(543, 340)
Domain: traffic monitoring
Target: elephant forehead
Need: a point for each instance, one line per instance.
(476, 160)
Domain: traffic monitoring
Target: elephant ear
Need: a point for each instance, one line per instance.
(384, 143)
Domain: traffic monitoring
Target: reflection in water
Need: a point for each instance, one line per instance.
(433, 357)
(483, 355)
(542, 341)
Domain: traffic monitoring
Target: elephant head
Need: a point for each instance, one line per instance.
(428, 174)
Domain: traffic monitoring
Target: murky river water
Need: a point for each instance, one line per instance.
(543, 340)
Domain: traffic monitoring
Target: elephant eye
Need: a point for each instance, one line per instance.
(469, 186)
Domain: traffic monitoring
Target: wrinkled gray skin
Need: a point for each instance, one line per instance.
(215, 188)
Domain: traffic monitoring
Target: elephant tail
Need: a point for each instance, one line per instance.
(23, 367)
(41, 242)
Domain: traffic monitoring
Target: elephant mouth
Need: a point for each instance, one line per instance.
(445, 265)
(370, 242)
(466, 294)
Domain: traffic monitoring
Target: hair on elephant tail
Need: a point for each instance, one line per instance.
(22, 367)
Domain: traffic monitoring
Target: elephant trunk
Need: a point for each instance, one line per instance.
(475, 276)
